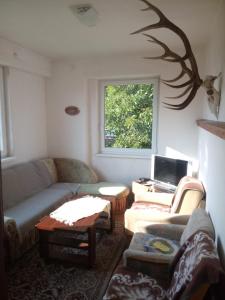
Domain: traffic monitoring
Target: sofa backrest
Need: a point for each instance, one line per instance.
(199, 220)
(74, 170)
(24, 180)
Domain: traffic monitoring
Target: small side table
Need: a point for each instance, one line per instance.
(142, 190)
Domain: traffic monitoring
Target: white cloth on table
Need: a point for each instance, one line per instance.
(77, 209)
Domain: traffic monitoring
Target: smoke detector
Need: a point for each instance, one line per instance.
(85, 13)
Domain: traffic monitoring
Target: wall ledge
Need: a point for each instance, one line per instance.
(214, 127)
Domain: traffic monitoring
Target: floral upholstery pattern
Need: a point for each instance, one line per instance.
(150, 206)
(197, 263)
(195, 269)
(12, 238)
(126, 284)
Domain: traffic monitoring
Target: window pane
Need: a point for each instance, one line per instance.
(128, 114)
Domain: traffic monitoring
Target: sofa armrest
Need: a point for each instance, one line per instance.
(159, 198)
(12, 238)
(73, 170)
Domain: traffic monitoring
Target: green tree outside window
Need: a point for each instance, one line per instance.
(128, 116)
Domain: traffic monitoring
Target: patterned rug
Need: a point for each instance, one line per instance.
(32, 279)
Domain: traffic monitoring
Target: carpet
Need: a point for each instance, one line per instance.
(32, 279)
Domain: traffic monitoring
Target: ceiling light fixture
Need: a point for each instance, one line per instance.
(85, 13)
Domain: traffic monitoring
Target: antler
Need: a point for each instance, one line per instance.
(194, 81)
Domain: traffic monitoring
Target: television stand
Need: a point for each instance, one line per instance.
(143, 188)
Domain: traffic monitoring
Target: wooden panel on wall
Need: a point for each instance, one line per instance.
(215, 127)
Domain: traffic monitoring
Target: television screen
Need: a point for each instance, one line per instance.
(168, 170)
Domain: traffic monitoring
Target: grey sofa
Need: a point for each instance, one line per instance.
(33, 189)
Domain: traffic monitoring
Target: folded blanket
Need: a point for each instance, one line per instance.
(75, 210)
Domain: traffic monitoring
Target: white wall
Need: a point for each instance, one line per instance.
(212, 148)
(27, 97)
(75, 83)
(13, 55)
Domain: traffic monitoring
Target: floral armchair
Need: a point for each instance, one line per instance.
(195, 273)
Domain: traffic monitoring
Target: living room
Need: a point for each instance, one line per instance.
(65, 68)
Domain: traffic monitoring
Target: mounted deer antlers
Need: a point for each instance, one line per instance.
(194, 81)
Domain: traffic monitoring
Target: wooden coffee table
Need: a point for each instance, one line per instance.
(49, 230)
(55, 233)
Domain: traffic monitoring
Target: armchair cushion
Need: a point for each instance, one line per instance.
(156, 198)
(144, 255)
(150, 206)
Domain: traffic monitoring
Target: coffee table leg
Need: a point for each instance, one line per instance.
(43, 244)
(92, 246)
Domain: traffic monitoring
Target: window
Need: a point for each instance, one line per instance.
(4, 124)
(128, 116)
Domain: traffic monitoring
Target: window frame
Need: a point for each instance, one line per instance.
(128, 151)
(4, 113)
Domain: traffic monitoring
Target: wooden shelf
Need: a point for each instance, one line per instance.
(215, 127)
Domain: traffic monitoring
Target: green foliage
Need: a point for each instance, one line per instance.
(128, 116)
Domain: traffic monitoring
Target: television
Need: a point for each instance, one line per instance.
(169, 171)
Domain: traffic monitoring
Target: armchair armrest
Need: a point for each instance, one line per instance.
(132, 216)
(73, 170)
(168, 231)
(159, 198)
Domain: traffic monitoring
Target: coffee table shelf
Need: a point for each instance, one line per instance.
(49, 230)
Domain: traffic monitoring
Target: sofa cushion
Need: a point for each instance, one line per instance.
(199, 220)
(105, 188)
(27, 213)
(50, 165)
(73, 170)
(22, 181)
(72, 188)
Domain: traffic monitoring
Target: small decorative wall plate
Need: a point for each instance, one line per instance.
(72, 110)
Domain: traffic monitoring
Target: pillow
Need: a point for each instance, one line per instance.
(50, 164)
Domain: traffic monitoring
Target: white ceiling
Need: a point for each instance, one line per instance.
(50, 28)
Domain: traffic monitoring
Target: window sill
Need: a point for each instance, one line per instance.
(126, 156)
